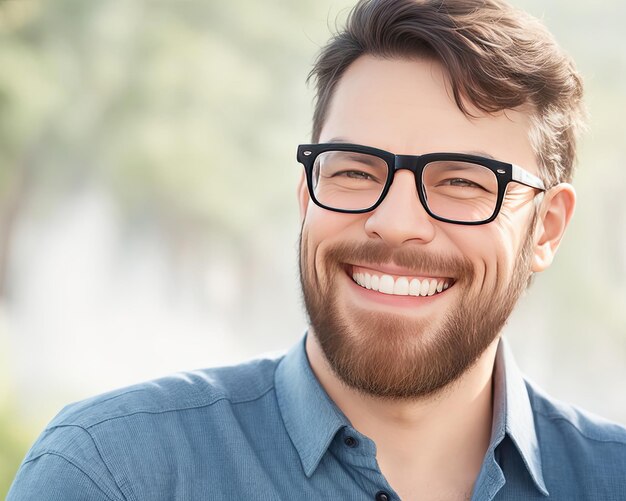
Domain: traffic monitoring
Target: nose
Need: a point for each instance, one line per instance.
(401, 218)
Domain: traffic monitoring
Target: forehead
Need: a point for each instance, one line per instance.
(406, 106)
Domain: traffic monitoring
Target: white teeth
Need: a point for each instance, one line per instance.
(386, 284)
(375, 281)
(401, 287)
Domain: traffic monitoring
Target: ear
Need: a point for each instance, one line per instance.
(556, 211)
(303, 196)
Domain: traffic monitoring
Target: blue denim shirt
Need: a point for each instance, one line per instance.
(266, 430)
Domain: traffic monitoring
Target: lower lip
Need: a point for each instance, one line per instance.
(394, 300)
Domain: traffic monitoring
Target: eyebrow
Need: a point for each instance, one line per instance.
(479, 153)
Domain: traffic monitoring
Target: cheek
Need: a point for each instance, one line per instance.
(323, 228)
(491, 250)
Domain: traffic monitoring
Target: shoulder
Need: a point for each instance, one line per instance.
(141, 431)
(178, 392)
(573, 420)
(583, 456)
(577, 437)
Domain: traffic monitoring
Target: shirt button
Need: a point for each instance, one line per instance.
(382, 496)
(351, 442)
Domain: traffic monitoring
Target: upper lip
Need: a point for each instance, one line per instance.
(392, 269)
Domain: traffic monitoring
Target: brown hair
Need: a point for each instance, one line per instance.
(497, 58)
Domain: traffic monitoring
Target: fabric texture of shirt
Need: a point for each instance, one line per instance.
(267, 430)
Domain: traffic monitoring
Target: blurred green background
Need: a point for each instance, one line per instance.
(148, 221)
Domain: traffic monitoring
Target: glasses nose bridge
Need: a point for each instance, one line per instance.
(408, 162)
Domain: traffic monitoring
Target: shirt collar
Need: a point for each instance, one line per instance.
(312, 419)
(310, 416)
(513, 414)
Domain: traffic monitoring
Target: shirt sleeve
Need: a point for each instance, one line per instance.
(65, 464)
(51, 477)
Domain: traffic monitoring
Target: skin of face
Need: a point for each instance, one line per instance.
(405, 107)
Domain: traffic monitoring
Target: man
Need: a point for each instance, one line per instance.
(436, 185)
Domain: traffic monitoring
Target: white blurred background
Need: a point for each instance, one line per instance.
(148, 220)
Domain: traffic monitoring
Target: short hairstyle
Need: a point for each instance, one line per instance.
(497, 57)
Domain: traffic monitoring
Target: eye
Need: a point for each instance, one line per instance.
(355, 174)
(460, 182)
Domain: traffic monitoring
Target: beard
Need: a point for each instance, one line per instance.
(390, 356)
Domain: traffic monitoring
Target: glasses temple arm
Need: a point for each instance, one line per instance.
(523, 176)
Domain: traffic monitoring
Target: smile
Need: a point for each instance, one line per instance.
(399, 285)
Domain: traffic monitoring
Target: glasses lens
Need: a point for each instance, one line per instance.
(460, 191)
(348, 180)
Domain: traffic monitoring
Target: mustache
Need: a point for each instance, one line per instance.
(412, 258)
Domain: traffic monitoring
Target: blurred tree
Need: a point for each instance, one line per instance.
(155, 100)
(26, 106)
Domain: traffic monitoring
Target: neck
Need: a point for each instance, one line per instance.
(448, 432)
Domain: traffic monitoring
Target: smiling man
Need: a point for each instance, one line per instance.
(436, 184)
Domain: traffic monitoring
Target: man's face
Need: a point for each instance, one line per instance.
(401, 346)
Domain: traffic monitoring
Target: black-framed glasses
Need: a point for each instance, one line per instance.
(453, 187)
